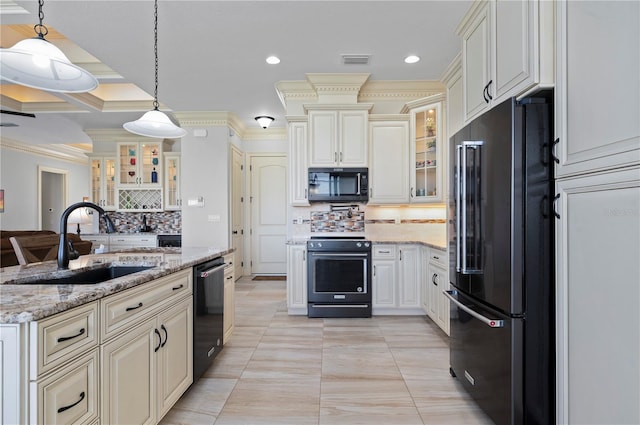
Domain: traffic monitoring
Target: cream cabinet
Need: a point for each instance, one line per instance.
(148, 353)
(507, 50)
(597, 270)
(228, 318)
(172, 194)
(103, 181)
(452, 78)
(427, 146)
(297, 279)
(338, 138)
(396, 279)
(139, 163)
(437, 280)
(591, 137)
(298, 174)
(389, 153)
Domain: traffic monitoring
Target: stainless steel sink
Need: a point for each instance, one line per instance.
(93, 276)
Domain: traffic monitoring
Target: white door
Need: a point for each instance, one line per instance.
(237, 216)
(268, 214)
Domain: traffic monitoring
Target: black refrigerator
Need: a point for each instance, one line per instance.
(500, 215)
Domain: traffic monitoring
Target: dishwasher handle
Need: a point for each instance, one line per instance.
(209, 272)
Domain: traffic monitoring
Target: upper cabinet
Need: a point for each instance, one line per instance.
(597, 46)
(139, 164)
(298, 149)
(103, 184)
(389, 171)
(426, 152)
(507, 50)
(172, 197)
(338, 138)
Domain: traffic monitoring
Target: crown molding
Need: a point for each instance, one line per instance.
(389, 117)
(422, 102)
(265, 134)
(60, 152)
(296, 118)
(338, 106)
(101, 135)
(453, 70)
(390, 89)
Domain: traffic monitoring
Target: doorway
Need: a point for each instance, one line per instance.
(52, 197)
(237, 210)
(268, 203)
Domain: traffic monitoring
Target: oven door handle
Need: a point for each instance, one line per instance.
(338, 254)
(206, 273)
(492, 323)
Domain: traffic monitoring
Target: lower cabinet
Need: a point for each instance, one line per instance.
(396, 279)
(435, 281)
(229, 310)
(125, 359)
(297, 279)
(148, 366)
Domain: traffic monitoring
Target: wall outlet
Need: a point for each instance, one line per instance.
(300, 220)
(397, 220)
(214, 218)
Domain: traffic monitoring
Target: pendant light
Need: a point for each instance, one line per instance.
(37, 63)
(155, 123)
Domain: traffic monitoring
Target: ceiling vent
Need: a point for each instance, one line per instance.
(355, 59)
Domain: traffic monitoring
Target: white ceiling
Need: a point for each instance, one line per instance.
(212, 53)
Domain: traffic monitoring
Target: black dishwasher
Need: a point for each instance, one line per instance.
(208, 304)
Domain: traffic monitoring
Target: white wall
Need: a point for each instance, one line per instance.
(19, 179)
(205, 174)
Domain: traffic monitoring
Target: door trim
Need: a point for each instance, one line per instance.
(65, 188)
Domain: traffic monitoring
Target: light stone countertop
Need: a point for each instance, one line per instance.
(303, 241)
(24, 302)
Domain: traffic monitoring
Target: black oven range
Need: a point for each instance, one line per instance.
(339, 276)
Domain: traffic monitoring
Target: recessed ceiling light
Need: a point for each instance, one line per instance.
(412, 59)
(273, 60)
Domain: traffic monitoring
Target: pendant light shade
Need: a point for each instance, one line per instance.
(155, 123)
(36, 63)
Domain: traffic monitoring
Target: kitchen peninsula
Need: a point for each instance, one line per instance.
(83, 353)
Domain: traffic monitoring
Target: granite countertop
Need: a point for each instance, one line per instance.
(303, 241)
(24, 302)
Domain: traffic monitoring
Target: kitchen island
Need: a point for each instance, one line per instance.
(119, 351)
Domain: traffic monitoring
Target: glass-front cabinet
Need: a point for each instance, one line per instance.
(103, 184)
(427, 153)
(139, 163)
(172, 197)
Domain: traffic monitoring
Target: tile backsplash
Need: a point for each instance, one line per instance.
(350, 220)
(160, 222)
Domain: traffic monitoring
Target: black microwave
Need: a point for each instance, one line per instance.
(338, 184)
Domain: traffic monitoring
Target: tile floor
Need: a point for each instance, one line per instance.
(280, 369)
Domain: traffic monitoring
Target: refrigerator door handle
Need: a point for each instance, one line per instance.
(461, 208)
(492, 323)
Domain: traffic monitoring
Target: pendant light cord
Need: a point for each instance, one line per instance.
(39, 28)
(155, 50)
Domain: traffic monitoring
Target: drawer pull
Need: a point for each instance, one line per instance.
(436, 257)
(67, 338)
(384, 252)
(166, 335)
(175, 288)
(65, 408)
(229, 277)
(133, 308)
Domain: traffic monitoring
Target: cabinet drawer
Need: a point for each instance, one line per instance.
(130, 307)
(69, 396)
(61, 337)
(384, 251)
(438, 257)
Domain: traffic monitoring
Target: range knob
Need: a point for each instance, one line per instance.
(311, 244)
(366, 244)
(359, 244)
(319, 245)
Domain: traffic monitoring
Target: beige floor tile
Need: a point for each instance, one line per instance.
(278, 369)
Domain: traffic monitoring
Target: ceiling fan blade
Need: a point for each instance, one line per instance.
(22, 114)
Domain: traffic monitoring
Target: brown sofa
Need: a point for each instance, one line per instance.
(8, 256)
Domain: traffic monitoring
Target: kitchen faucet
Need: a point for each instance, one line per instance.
(63, 250)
